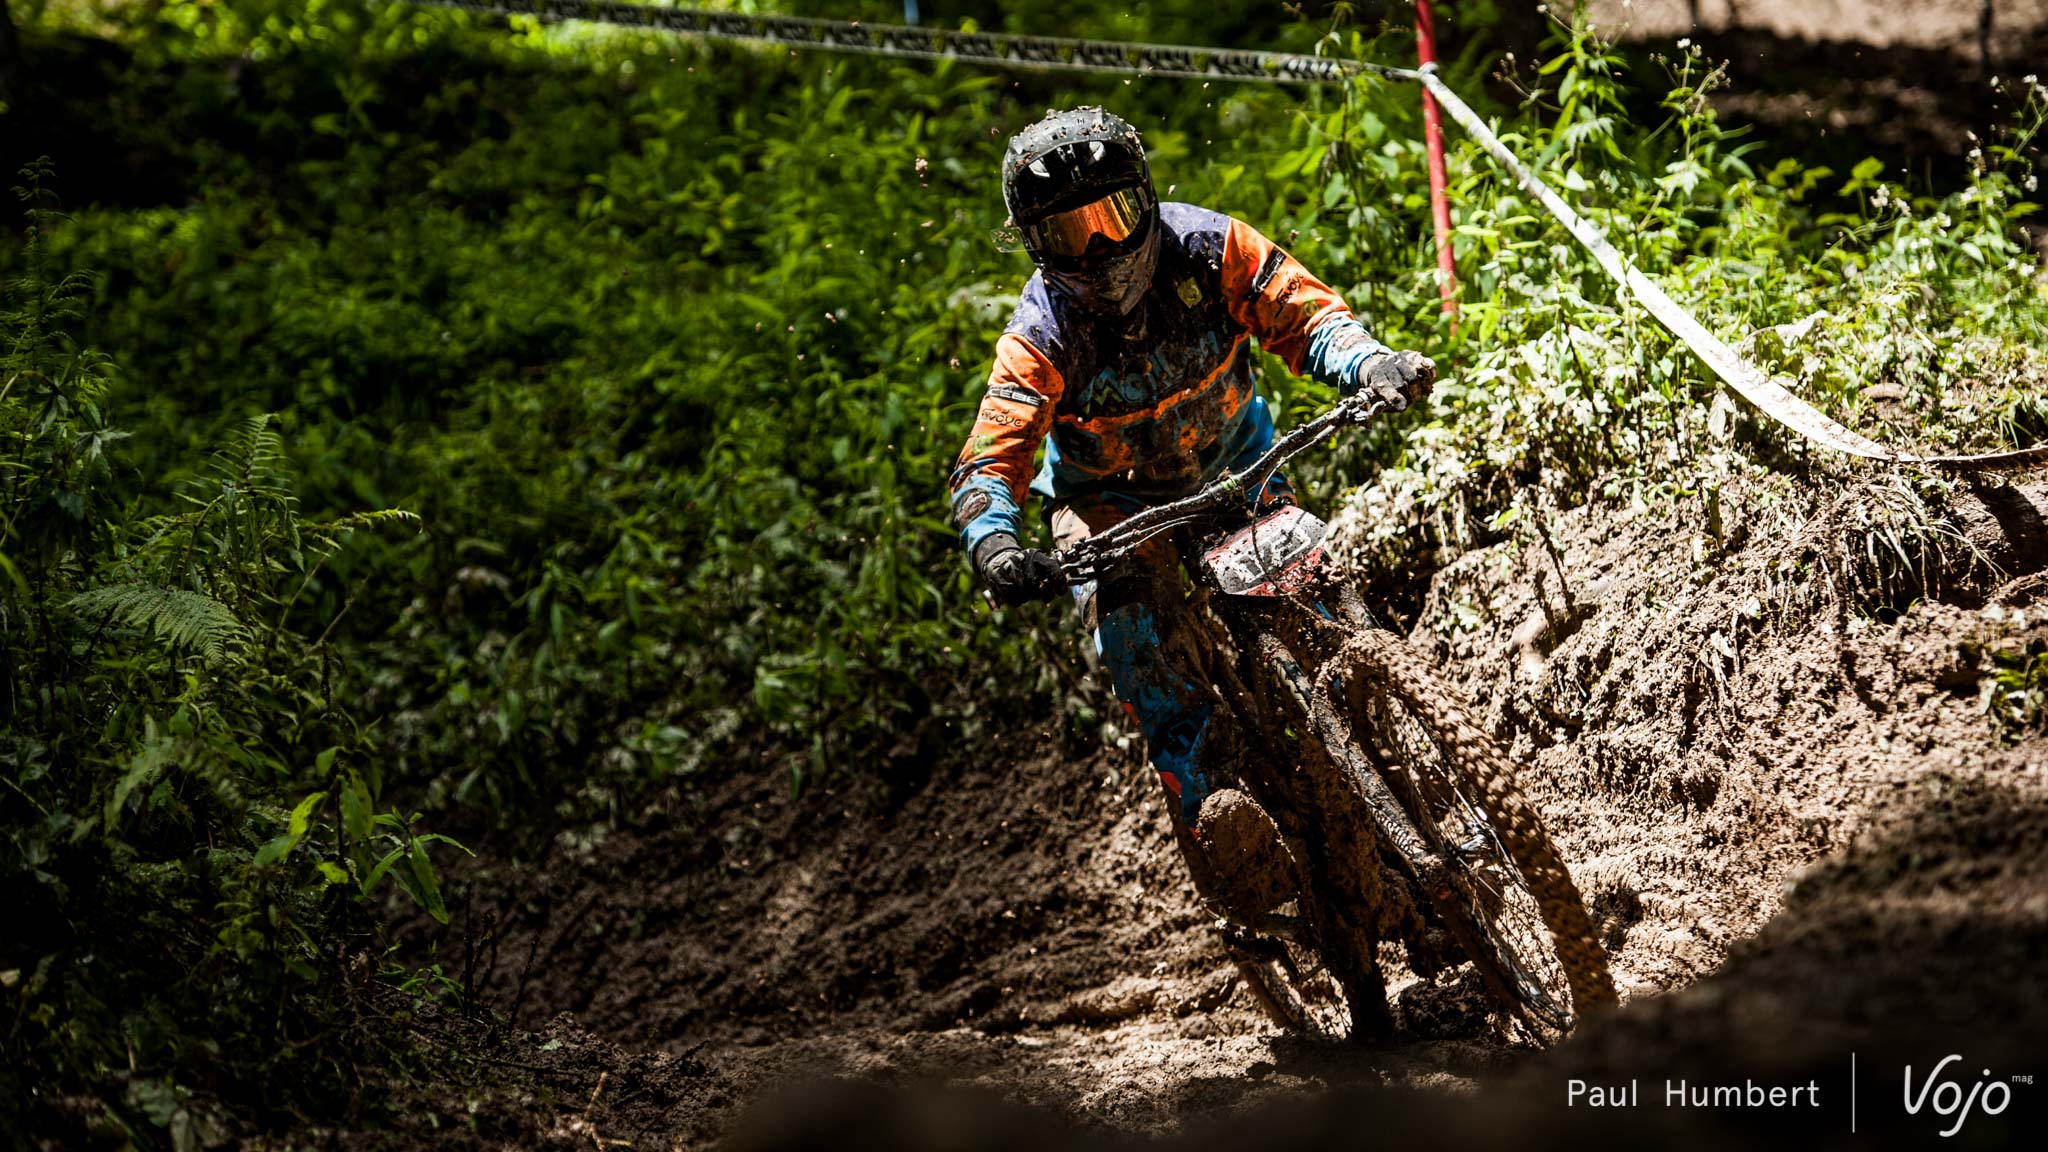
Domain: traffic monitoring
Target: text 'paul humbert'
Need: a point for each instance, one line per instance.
(1680, 1094)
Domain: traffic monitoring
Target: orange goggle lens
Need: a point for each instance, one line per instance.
(1115, 218)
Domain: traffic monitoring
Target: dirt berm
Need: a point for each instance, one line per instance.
(1759, 723)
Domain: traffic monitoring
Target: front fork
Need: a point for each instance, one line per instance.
(1408, 852)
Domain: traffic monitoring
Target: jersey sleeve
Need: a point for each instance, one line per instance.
(1292, 314)
(993, 474)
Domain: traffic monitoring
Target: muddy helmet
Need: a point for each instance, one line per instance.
(1080, 195)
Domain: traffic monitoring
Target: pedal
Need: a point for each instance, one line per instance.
(1246, 944)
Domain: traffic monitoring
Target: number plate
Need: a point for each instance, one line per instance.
(1276, 554)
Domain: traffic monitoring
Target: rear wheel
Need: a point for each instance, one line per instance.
(1312, 964)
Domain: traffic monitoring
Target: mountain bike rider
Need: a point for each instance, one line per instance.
(1128, 357)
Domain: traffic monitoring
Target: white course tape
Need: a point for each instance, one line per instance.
(1745, 378)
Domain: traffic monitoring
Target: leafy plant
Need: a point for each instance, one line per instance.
(162, 714)
(1848, 291)
(2016, 694)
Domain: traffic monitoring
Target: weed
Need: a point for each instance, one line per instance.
(2016, 694)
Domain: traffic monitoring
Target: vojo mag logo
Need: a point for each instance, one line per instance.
(1943, 1096)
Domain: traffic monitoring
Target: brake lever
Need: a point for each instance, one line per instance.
(1370, 412)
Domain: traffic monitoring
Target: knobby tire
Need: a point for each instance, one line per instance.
(1382, 662)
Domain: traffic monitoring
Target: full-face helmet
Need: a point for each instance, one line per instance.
(1080, 195)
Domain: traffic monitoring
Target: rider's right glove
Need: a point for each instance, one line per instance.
(1017, 575)
(1399, 378)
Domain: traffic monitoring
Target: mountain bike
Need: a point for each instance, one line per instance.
(1393, 818)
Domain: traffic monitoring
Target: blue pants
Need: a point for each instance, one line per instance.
(1138, 614)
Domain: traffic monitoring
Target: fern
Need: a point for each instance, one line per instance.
(254, 461)
(180, 617)
(339, 529)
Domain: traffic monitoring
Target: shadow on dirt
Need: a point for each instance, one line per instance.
(1913, 944)
(1919, 941)
(1834, 102)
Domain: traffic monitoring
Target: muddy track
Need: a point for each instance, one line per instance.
(1769, 770)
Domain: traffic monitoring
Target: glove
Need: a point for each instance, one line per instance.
(1398, 378)
(1017, 575)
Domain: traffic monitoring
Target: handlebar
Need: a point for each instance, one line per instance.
(1091, 557)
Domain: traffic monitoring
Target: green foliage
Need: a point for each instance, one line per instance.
(174, 888)
(670, 345)
(2016, 695)
(177, 616)
(1919, 319)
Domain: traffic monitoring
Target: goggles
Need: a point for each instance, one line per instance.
(1116, 218)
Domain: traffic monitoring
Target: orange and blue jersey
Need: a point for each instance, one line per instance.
(1147, 407)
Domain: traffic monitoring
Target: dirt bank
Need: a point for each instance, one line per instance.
(1918, 85)
(1956, 25)
(1716, 690)
(1766, 755)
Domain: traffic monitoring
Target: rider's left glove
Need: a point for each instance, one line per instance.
(1017, 575)
(1398, 378)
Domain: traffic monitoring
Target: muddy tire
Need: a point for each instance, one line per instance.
(1313, 969)
(1443, 766)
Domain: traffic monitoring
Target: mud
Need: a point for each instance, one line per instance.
(1699, 718)
(1253, 868)
(1766, 758)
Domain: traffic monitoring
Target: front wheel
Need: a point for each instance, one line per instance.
(1483, 857)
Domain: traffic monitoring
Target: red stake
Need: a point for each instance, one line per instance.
(1433, 134)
